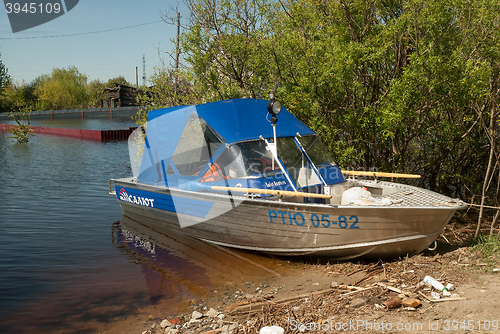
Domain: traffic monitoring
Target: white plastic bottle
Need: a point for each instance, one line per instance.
(431, 281)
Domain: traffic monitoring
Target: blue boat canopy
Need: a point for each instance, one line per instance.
(234, 120)
(187, 144)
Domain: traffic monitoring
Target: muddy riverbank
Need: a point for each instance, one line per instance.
(342, 297)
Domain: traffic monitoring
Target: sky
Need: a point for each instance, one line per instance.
(99, 55)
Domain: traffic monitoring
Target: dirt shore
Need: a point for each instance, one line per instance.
(343, 297)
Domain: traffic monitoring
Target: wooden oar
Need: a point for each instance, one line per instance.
(380, 174)
(271, 192)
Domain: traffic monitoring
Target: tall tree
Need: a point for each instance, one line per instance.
(62, 89)
(119, 80)
(224, 44)
(409, 86)
(4, 77)
(392, 84)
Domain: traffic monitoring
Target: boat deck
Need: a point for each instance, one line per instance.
(409, 196)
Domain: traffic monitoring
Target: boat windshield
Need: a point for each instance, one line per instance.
(298, 167)
(242, 160)
(253, 159)
(317, 151)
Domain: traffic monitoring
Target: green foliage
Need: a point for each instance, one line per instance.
(119, 80)
(489, 247)
(94, 91)
(394, 85)
(21, 131)
(63, 89)
(163, 93)
(403, 86)
(227, 48)
(4, 77)
(169, 88)
(17, 97)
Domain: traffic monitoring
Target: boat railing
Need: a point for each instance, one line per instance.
(111, 191)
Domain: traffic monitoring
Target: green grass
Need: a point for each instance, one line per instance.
(489, 247)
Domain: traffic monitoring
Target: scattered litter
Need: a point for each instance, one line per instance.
(420, 285)
(390, 281)
(392, 303)
(496, 269)
(410, 302)
(435, 295)
(272, 330)
(297, 311)
(432, 281)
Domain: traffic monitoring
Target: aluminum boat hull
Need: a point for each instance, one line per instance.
(293, 228)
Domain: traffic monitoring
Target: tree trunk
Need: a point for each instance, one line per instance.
(489, 171)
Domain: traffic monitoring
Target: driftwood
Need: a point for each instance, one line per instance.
(253, 307)
(370, 276)
(213, 331)
(357, 291)
(393, 289)
(257, 304)
(423, 295)
(447, 299)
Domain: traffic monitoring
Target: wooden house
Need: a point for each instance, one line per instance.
(120, 96)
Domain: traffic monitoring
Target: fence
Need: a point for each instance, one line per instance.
(98, 135)
(77, 112)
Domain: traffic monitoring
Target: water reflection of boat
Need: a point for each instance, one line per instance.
(167, 276)
(219, 172)
(175, 264)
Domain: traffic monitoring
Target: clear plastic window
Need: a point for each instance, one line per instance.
(197, 144)
(317, 152)
(241, 160)
(297, 165)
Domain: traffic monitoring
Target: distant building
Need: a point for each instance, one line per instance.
(120, 96)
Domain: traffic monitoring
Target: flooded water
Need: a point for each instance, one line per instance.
(97, 121)
(68, 263)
